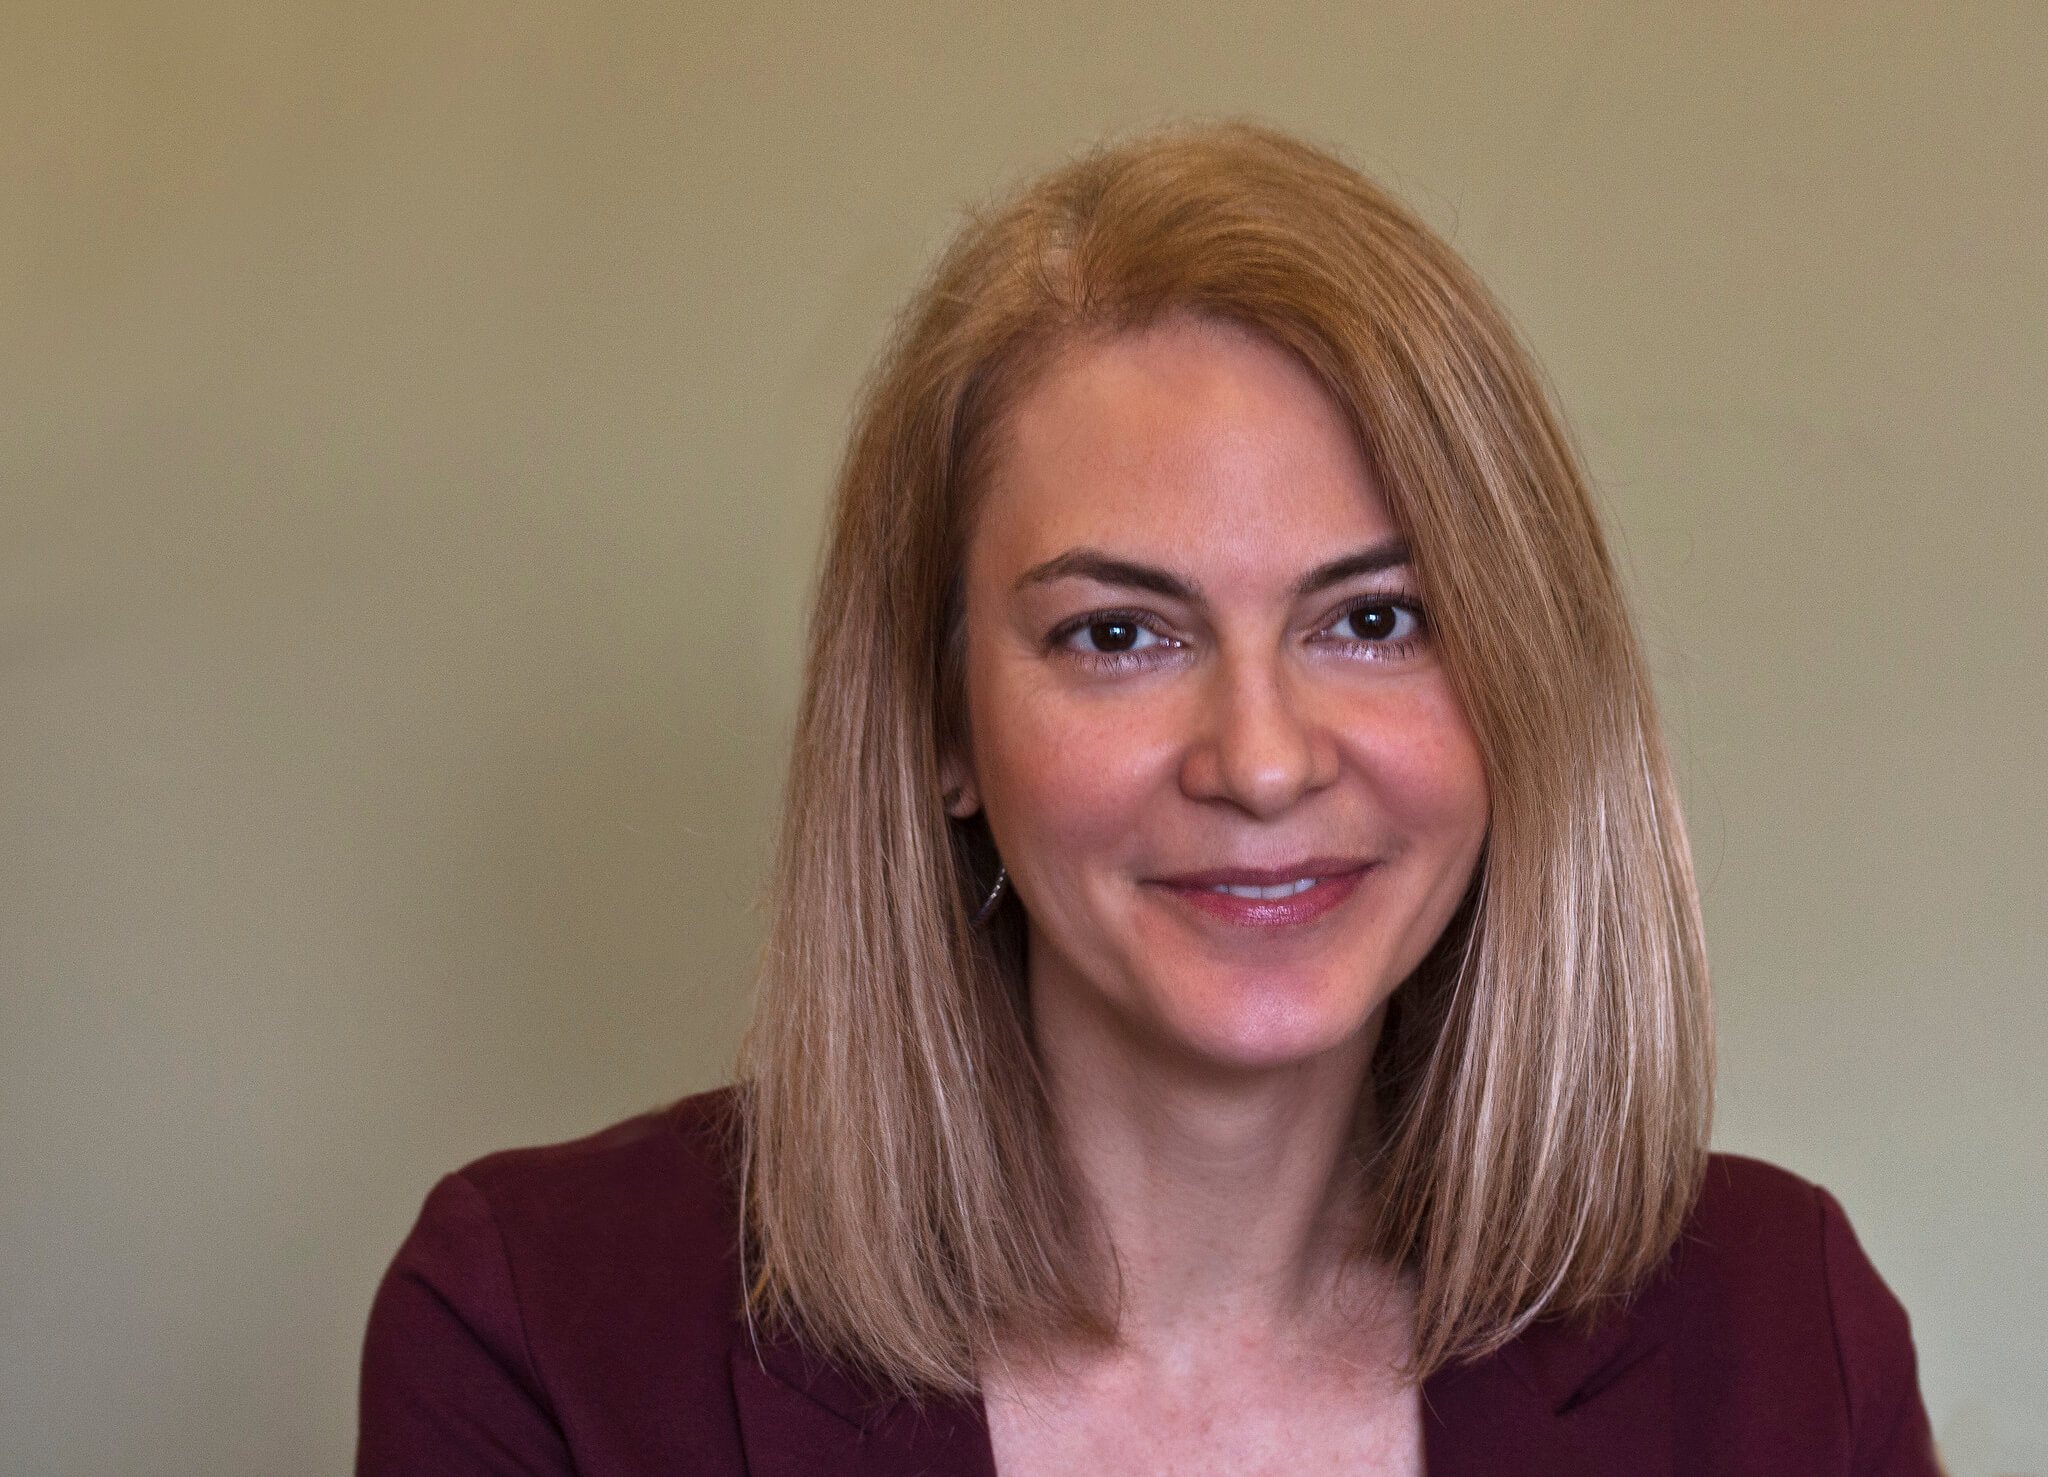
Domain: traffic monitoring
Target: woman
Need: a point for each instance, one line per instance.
(1234, 999)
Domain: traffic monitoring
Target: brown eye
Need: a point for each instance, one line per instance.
(1110, 634)
(1114, 635)
(1379, 622)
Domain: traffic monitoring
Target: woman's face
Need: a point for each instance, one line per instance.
(1207, 723)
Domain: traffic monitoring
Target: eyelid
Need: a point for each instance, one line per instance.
(1058, 638)
(1365, 600)
(1402, 595)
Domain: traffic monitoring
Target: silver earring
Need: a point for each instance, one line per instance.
(987, 910)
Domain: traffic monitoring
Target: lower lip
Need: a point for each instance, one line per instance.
(1277, 912)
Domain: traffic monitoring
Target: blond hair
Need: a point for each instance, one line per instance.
(1543, 1084)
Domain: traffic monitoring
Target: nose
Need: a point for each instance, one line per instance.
(1257, 744)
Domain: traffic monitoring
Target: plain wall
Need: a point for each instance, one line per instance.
(415, 422)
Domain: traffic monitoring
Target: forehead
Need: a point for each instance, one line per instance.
(1193, 443)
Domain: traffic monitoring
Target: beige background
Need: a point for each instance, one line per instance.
(414, 425)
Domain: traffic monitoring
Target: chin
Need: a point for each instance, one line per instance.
(1262, 1027)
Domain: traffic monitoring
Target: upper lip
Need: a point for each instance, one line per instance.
(1317, 867)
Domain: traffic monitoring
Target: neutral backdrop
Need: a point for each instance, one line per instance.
(415, 421)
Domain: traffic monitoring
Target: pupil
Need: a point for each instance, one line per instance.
(1114, 635)
(1374, 621)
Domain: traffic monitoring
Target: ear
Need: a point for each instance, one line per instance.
(956, 783)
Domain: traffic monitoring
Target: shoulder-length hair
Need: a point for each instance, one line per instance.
(1543, 1082)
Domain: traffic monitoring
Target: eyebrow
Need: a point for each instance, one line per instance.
(1106, 569)
(1390, 554)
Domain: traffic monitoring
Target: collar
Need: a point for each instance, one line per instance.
(800, 1416)
(1562, 1398)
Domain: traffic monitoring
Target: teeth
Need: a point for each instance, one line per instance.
(1268, 894)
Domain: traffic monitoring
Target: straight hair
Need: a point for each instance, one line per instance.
(1543, 1083)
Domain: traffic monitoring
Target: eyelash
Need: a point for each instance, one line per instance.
(1116, 661)
(1113, 661)
(1383, 651)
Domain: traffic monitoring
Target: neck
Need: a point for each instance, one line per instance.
(1228, 1197)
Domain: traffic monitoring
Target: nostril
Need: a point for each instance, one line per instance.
(1259, 752)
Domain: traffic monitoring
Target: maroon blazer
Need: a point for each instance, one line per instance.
(574, 1309)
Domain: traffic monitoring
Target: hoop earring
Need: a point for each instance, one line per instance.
(987, 910)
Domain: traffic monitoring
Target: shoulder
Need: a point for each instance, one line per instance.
(1747, 1283)
(1774, 1304)
(1767, 1343)
(549, 1298)
(652, 1185)
(1772, 1254)
(627, 1238)
(1756, 1237)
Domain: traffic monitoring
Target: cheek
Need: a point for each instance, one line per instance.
(1055, 773)
(1431, 775)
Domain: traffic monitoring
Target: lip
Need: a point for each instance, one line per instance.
(1334, 879)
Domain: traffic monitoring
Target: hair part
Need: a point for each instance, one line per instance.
(1543, 1084)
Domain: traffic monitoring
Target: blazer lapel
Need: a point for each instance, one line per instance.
(799, 1417)
(1558, 1402)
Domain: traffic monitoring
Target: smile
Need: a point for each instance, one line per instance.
(1284, 889)
(1263, 898)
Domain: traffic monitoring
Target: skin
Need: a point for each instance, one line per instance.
(1173, 683)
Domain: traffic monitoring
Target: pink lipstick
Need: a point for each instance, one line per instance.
(1269, 897)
